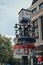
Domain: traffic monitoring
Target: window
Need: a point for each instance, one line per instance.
(34, 1)
(41, 6)
(42, 18)
(35, 28)
(35, 23)
(34, 11)
(36, 31)
(42, 26)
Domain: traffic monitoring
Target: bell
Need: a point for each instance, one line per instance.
(16, 31)
(17, 35)
(20, 27)
(29, 25)
(15, 26)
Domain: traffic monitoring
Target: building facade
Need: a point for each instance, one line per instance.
(37, 20)
(36, 23)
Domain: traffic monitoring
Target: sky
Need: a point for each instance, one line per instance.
(9, 14)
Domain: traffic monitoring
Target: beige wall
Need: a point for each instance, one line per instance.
(35, 5)
(38, 13)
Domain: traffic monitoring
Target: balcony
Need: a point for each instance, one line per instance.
(24, 20)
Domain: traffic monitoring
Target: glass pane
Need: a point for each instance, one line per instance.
(41, 5)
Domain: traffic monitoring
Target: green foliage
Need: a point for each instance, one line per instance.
(5, 48)
(18, 61)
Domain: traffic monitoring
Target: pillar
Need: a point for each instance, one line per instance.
(39, 29)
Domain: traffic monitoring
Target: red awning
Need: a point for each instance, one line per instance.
(29, 46)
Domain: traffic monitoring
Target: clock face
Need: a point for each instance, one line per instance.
(26, 14)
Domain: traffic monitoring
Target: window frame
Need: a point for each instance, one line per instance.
(34, 10)
(41, 6)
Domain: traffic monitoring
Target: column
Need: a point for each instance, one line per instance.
(31, 61)
(39, 29)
